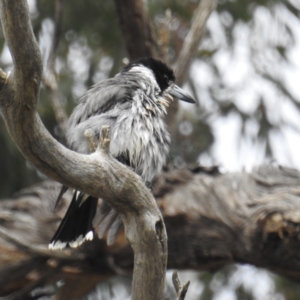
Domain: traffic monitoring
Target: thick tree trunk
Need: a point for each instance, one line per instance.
(136, 29)
(212, 220)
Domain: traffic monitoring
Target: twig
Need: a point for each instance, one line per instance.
(192, 40)
(49, 78)
(180, 290)
(39, 251)
(188, 52)
(90, 136)
(104, 141)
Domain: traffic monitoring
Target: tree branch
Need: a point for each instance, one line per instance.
(49, 78)
(98, 174)
(136, 29)
(37, 251)
(192, 40)
(188, 52)
(181, 290)
(212, 220)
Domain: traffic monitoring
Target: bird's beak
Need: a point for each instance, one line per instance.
(180, 94)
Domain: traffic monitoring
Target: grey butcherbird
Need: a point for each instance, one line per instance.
(133, 104)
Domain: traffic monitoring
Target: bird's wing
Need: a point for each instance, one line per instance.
(96, 109)
(103, 97)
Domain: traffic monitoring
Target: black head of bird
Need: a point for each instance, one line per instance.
(163, 75)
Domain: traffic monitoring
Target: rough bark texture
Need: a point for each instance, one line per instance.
(181, 290)
(98, 174)
(136, 29)
(212, 220)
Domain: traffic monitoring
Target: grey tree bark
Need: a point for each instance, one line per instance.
(98, 174)
(212, 220)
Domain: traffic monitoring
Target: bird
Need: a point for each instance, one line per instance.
(133, 104)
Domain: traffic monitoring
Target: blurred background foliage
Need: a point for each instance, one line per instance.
(245, 77)
(244, 74)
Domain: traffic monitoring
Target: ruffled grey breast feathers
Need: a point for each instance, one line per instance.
(133, 106)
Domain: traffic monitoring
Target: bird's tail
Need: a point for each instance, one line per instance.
(76, 227)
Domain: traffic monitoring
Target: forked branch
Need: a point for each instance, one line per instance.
(181, 290)
(98, 175)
